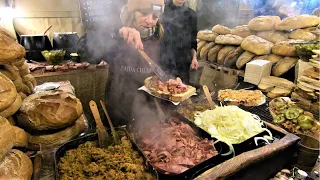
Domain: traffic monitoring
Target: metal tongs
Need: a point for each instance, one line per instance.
(164, 77)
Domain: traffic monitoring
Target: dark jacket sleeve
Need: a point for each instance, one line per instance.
(194, 30)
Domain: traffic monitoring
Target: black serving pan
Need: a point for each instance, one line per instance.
(34, 44)
(73, 144)
(221, 147)
(67, 41)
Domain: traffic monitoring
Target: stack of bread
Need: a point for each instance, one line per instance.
(276, 87)
(265, 37)
(14, 66)
(307, 92)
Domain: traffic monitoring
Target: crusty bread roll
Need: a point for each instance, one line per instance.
(207, 35)
(231, 59)
(49, 110)
(301, 34)
(284, 48)
(263, 57)
(13, 108)
(256, 45)
(16, 166)
(263, 23)
(213, 53)
(242, 31)
(244, 58)
(298, 22)
(20, 137)
(52, 140)
(11, 71)
(8, 92)
(204, 51)
(273, 36)
(10, 50)
(274, 58)
(221, 29)
(224, 52)
(284, 65)
(229, 39)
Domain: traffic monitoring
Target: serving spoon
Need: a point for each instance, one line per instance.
(208, 96)
(113, 131)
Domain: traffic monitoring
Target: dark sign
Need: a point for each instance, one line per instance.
(97, 13)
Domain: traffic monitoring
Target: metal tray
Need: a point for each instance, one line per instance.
(73, 144)
(189, 174)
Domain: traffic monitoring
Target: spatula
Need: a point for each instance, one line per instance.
(113, 131)
(164, 77)
(104, 139)
(208, 96)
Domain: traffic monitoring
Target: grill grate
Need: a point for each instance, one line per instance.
(262, 111)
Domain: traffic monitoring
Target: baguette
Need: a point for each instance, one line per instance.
(231, 59)
(200, 45)
(284, 65)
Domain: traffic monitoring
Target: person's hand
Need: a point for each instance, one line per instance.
(132, 36)
(194, 63)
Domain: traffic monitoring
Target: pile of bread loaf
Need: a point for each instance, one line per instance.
(265, 37)
(307, 91)
(28, 120)
(14, 164)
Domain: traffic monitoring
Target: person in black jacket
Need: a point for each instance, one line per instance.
(179, 44)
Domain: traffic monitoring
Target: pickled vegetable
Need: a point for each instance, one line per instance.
(292, 113)
(306, 125)
(279, 119)
(305, 119)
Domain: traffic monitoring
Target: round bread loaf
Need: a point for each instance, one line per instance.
(242, 31)
(16, 165)
(256, 45)
(224, 52)
(229, 39)
(213, 53)
(263, 57)
(221, 29)
(8, 92)
(301, 34)
(13, 108)
(273, 36)
(231, 59)
(298, 22)
(52, 140)
(274, 58)
(10, 50)
(11, 71)
(204, 51)
(284, 48)
(284, 65)
(207, 35)
(49, 110)
(263, 23)
(244, 58)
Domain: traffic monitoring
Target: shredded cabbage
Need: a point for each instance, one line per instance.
(229, 124)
